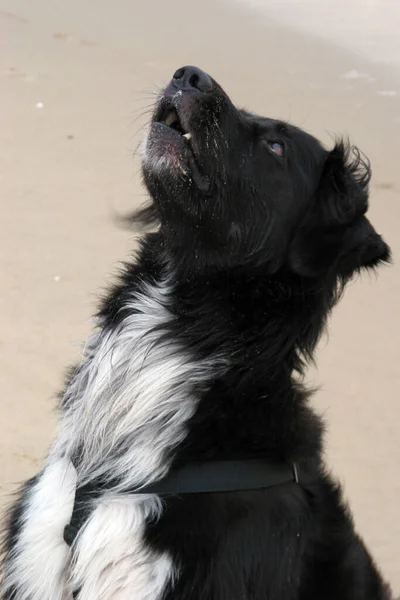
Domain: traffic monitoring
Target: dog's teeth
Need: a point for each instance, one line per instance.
(171, 118)
(187, 136)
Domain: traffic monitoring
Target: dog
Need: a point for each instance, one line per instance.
(188, 462)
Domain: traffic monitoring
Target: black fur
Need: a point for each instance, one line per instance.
(261, 258)
(260, 247)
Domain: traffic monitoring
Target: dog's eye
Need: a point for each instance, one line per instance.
(276, 147)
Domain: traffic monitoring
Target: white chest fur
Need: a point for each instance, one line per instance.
(133, 397)
(125, 411)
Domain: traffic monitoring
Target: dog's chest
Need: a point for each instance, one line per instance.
(130, 401)
(124, 411)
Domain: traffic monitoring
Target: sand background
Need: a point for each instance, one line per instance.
(75, 81)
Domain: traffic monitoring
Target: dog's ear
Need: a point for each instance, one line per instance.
(335, 236)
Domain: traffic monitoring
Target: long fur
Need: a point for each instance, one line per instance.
(153, 386)
(151, 382)
(120, 565)
(37, 565)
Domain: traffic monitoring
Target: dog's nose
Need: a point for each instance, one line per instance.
(192, 77)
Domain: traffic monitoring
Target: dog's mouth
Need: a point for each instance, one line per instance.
(172, 148)
(188, 142)
(169, 117)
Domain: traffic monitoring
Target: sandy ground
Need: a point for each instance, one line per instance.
(75, 81)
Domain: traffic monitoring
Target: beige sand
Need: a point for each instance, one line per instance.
(73, 81)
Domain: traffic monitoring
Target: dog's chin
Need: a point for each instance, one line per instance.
(169, 157)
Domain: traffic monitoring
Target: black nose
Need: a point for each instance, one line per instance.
(192, 77)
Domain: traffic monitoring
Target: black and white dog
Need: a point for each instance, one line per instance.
(188, 463)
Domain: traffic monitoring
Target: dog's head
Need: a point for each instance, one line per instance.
(231, 188)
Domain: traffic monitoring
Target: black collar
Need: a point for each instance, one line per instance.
(198, 478)
(223, 476)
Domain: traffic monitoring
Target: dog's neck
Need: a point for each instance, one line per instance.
(268, 329)
(190, 368)
(265, 328)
